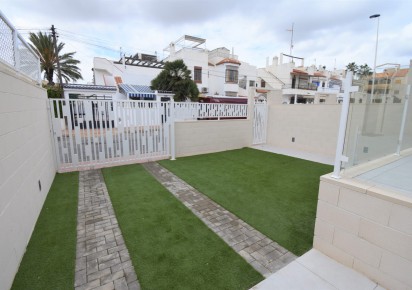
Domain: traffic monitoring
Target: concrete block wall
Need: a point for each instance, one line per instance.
(26, 161)
(366, 228)
(200, 137)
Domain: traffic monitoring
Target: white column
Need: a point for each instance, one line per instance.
(296, 99)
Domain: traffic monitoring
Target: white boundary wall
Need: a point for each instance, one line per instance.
(26, 157)
(207, 136)
(313, 127)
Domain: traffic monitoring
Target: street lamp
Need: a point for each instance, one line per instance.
(376, 52)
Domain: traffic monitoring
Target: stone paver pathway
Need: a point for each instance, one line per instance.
(102, 259)
(265, 255)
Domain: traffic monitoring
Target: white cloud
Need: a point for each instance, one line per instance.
(329, 31)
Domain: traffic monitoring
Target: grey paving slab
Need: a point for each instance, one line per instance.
(315, 270)
(396, 175)
(265, 255)
(102, 259)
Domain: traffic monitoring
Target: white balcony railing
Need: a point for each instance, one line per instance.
(16, 53)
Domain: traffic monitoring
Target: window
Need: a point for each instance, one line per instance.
(232, 74)
(322, 100)
(242, 83)
(262, 83)
(251, 83)
(231, 94)
(197, 76)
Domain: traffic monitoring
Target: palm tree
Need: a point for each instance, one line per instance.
(364, 70)
(44, 46)
(175, 77)
(353, 67)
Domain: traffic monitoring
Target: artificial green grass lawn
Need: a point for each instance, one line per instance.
(169, 246)
(51, 253)
(274, 193)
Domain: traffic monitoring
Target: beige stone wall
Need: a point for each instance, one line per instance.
(200, 137)
(366, 228)
(314, 127)
(26, 158)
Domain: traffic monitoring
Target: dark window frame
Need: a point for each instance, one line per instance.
(232, 75)
(197, 74)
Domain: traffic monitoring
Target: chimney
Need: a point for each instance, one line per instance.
(172, 49)
(267, 61)
(275, 61)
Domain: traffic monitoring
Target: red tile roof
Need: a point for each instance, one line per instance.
(299, 72)
(260, 91)
(402, 72)
(393, 73)
(118, 80)
(228, 60)
(319, 74)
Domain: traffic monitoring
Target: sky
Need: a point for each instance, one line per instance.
(329, 33)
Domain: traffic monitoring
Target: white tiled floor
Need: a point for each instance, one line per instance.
(296, 153)
(314, 270)
(396, 175)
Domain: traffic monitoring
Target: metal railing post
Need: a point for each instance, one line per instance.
(339, 157)
(16, 50)
(39, 71)
(172, 130)
(405, 112)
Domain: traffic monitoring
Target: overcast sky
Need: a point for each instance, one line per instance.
(325, 31)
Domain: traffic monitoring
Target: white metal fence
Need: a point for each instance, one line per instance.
(98, 133)
(89, 134)
(195, 111)
(15, 52)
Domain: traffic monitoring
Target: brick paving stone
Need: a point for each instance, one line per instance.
(102, 259)
(265, 255)
(90, 285)
(134, 285)
(112, 277)
(108, 286)
(120, 283)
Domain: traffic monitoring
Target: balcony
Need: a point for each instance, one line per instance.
(304, 86)
(230, 87)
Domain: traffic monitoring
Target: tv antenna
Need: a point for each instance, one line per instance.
(291, 39)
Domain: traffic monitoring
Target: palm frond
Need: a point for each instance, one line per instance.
(43, 45)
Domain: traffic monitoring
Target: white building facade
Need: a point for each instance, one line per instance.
(216, 72)
(289, 83)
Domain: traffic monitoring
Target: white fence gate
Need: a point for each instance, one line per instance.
(96, 133)
(260, 120)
